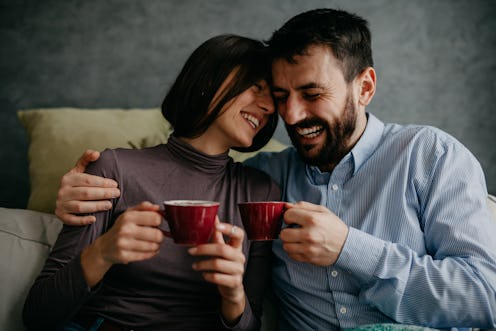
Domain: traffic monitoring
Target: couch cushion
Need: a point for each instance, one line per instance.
(58, 136)
(26, 238)
(491, 200)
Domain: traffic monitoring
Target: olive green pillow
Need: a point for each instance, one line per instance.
(58, 136)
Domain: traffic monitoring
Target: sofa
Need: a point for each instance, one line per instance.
(57, 138)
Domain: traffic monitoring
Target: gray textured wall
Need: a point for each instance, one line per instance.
(436, 61)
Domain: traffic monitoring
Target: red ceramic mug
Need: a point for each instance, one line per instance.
(191, 222)
(262, 219)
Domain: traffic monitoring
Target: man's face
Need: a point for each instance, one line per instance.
(317, 105)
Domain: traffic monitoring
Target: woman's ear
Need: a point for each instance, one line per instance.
(367, 81)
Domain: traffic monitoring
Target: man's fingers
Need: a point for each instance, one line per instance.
(81, 207)
(85, 159)
(289, 235)
(303, 212)
(74, 220)
(87, 193)
(309, 206)
(86, 180)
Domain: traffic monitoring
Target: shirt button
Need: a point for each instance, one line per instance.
(342, 310)
(335, 187)
(334, 273)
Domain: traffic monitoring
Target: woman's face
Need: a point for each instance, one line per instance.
(242, 117)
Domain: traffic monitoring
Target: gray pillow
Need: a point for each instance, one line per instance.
(26, 238)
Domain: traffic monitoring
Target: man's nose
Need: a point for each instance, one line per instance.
(293, 111)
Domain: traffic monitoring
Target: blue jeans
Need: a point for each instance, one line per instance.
(72, 326)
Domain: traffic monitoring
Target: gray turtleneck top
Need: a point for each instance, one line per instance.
(162, 293)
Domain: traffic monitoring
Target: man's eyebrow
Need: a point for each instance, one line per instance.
(299, 88)
(308, 86)
(277, 89)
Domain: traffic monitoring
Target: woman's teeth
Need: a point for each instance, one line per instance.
(251, 119)
(311, 132)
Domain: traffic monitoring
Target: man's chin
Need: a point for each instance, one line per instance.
(310, 152)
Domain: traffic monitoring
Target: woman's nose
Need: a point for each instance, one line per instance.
(265, 102)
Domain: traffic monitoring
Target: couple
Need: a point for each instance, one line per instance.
(393, 223)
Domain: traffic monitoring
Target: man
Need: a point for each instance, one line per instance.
(392, 224)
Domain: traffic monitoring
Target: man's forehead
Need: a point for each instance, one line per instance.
(308, 71)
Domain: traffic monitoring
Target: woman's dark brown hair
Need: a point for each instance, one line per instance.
(187, 104)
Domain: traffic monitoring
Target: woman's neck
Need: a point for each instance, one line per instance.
(205, 145)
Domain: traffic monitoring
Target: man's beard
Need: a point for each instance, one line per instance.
(338, 136)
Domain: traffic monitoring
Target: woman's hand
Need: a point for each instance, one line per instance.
(134, 237)
(225, 267)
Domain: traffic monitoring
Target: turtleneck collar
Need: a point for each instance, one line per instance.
(200, 161)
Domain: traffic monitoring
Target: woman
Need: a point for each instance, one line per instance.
(120, 273)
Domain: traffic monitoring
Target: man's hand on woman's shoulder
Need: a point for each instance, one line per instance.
(81, 193)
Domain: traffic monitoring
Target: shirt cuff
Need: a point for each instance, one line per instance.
(245, 322)
(79, 280)
(361, 254)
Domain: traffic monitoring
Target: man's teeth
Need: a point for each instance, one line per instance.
(312, 132)
(252, 119)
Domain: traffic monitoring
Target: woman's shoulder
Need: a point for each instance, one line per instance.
(113, 158)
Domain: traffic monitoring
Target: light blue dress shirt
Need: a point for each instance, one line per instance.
(421, 247)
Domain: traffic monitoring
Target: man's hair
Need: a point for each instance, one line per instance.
(347, 35)
(188, 104)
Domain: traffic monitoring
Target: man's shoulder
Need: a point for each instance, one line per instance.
(278, 165)
(419, 135)
(263, 159)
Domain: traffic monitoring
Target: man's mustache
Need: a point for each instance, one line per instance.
(306, 123)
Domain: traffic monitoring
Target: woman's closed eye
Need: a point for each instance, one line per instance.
(259, 87)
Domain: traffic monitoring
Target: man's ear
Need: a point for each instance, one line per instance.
(367, 81)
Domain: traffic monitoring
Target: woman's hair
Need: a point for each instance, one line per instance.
(187, 104)
(347, 35)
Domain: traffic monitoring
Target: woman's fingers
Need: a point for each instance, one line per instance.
(225, 262)
(235, 234)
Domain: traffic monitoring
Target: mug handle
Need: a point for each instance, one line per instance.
(165, 232)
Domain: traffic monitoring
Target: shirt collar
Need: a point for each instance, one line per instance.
(368, 142)
(364, 148)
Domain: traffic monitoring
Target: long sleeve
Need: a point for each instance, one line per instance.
(452, 283)
(60, 290)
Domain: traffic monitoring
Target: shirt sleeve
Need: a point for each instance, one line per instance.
(61, 289)
(454, 284)
(257, 274)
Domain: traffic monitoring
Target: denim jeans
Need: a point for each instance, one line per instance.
(73, 326)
